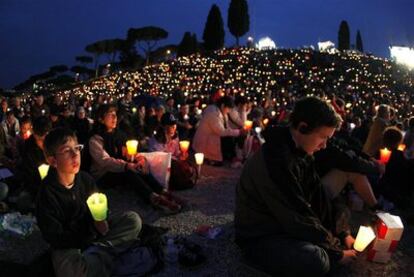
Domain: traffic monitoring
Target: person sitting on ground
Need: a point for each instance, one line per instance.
(374, 141)
(213, 127)
(284, 222)
(64, 217)
(396, 184)
(110, 167)
(33, 157)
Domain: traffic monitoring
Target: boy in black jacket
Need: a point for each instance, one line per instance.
(64, 217)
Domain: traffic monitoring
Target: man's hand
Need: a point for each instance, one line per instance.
(349, 242)
(349, 256)
(142, 164)
(102, 227)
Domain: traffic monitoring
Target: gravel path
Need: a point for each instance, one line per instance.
(210, 202)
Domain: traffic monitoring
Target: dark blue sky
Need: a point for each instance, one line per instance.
(36, 34)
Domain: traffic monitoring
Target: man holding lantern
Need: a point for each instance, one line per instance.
(68, 222)
(284, 222)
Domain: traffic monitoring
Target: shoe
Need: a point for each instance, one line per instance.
(167, 206)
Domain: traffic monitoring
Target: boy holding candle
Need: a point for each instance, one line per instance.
(284, 221)
(65, 220)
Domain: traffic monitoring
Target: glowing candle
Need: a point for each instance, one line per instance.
(199, 157)
(132, 146)
(134, 110)
(265, 121)
(248, 124)
(27, 135)
(401, 147)
(184, 144)
(43, 170)
(98, 205)
(364, 237)
(385, 155)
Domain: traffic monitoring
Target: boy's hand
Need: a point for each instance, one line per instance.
(102, 227)
(349, 256)
(349, 242)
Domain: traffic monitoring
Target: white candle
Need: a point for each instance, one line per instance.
(199, 157)
(364, 237)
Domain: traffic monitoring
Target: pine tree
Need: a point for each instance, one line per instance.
(213, 35)
(359, 44)
(344, 36)
(238, 19)
(186, 45)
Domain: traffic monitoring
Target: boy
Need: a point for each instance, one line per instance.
(64, 217)
(283, 219)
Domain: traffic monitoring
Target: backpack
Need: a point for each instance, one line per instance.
(184, 175)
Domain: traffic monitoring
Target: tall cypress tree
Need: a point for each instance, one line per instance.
(185, 47)
(213, 35)
(343, 36)
(359, 44)
(238, 19)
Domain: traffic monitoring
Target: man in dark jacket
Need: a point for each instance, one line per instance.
(284, 221)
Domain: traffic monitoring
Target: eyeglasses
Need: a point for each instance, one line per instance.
(69, 151)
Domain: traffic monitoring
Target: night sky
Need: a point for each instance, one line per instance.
(37, 34)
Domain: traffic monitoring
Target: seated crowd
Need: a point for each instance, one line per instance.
(307, 164)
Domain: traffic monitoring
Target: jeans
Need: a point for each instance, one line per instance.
(287, 257)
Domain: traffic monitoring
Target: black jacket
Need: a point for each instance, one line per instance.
(280, 194)
(63, 215)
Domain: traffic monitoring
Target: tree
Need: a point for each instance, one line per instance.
(194, 43)
(238, 19)
(359, 44)
(343, 36)
(97, 50)
(186, 45)
(59, 68)
(147, 38)
(84, 59)
(128, 57)
(213, 35)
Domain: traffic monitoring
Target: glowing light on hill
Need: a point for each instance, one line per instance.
(266, 43)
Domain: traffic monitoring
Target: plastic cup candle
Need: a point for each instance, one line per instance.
(184, 144)
(132, 146)
(43, 170)
(385, 155)
(401, 147)
(98, 205)
(364, 237)
(199, 158)
(248, 124)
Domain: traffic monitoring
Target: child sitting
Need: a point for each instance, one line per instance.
(65, 220)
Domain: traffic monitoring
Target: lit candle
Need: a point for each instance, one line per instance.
(199, 158)
(27, 135)
(385, 155)
(43, 170)
(265, 121)
(401, 147)
(248, 124)
(132, 146)
(134, 110)
(98, 205)
(184, 144)
(364, 237)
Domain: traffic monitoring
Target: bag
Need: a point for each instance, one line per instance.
(159, 166)
(184, 175)
(145, 257)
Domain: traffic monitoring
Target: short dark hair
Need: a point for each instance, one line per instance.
(226, 100)
(392, 137)
(56, 138)
(315, 112)
(104, 109)
(41, 126)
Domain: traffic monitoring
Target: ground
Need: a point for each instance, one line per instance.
(210, 202)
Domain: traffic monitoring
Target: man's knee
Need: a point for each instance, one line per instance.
(317, 262)
(134, 220)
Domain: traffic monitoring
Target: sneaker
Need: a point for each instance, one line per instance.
(167, 206)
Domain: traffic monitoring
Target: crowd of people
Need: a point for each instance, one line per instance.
(207, 100)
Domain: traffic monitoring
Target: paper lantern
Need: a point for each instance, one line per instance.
(98, 205)
(43, 170)
(364, 237)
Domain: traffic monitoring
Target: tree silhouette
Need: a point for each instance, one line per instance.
(186, 45)
(343, 36)
(97, 50)
(84, 59)
(147, 38)
(238, 19)
(359, 44)
(59, 68)
(213, 34)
